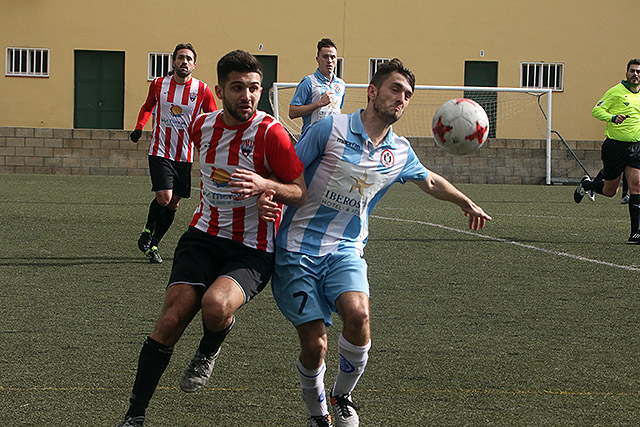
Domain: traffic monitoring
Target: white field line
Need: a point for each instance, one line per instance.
(514, 243)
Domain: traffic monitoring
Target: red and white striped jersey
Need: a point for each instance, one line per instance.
(176, 105)
(260, 145)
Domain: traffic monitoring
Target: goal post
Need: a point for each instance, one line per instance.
(514, 113)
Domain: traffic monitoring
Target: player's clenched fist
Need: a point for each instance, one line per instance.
(135, 135)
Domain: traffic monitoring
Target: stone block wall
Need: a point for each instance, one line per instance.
(110, 152)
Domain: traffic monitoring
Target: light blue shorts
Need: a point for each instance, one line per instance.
(306, 287)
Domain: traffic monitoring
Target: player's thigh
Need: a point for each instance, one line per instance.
(297, 286)
(347, 274)
(182, 179)
(633, 179)
(161, 172)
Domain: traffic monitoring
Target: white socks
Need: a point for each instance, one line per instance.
(312, 387)
(353, 360)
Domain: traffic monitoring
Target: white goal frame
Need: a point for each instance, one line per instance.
(546, 115)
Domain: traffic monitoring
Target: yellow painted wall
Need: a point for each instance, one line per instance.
(433, 39)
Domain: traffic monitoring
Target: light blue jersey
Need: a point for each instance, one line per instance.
(345, 176)
(311, 88)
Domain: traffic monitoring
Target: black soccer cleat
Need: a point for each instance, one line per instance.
(144, 241)
(130, 421)
(153, 255)
(580, 192)
(634, 239)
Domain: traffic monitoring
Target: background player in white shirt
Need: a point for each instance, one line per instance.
(320, 94)
(226, 257)
(349, 163)
(176, 99)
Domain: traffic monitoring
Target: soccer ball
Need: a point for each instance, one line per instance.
(460, 126)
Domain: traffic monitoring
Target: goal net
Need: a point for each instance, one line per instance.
(514, 113)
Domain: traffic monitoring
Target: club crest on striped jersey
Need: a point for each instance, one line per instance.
(193, 96)
(246, 147)
(387, 158)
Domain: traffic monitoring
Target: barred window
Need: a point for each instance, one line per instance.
(30, 62)
(159, 65)
(374, 63)
(542, 75)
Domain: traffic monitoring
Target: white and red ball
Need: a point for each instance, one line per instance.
(460, 126)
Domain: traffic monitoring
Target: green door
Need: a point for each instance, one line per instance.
(270, 72)
(99, 90)
(483, 73)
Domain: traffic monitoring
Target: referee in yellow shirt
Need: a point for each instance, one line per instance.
(620, 109)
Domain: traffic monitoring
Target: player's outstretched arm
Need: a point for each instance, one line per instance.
(440, 188)
(247, 184)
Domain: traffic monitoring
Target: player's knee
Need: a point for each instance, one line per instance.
(314, 350)
(217, 312)
(357, 319)
(163, 201)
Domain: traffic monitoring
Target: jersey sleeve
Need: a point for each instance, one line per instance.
(209, 102)
(413, 170)
(281, 155)
(314, 140)
(195, 130)
(147, 108)
(601, 110)
(302, 95)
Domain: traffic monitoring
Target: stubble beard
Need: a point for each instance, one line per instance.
(387, 117)
(242, 117)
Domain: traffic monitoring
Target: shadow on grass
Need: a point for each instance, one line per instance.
(71, 261)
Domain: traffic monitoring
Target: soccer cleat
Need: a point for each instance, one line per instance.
(132, 422)
(153, 255)
(625, 199)
(580, 192)
(344, 411)
(195, 375)
(144, 241)
(634, 239)
(319, 421)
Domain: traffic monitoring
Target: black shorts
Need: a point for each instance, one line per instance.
(170, 175)
(201, 258)
(616, 155)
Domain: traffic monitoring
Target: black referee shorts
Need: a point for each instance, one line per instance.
(616, 155)
(201, 258)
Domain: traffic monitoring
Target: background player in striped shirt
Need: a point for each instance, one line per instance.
(226, 257)
(177, 99)
(320, 94)
(349, 163)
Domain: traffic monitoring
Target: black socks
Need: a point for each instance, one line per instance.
(634, 212)
(153, 360)
(211, 341)
(159, 221)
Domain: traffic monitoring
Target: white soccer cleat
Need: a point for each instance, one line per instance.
(195, 375)
(344, 411)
